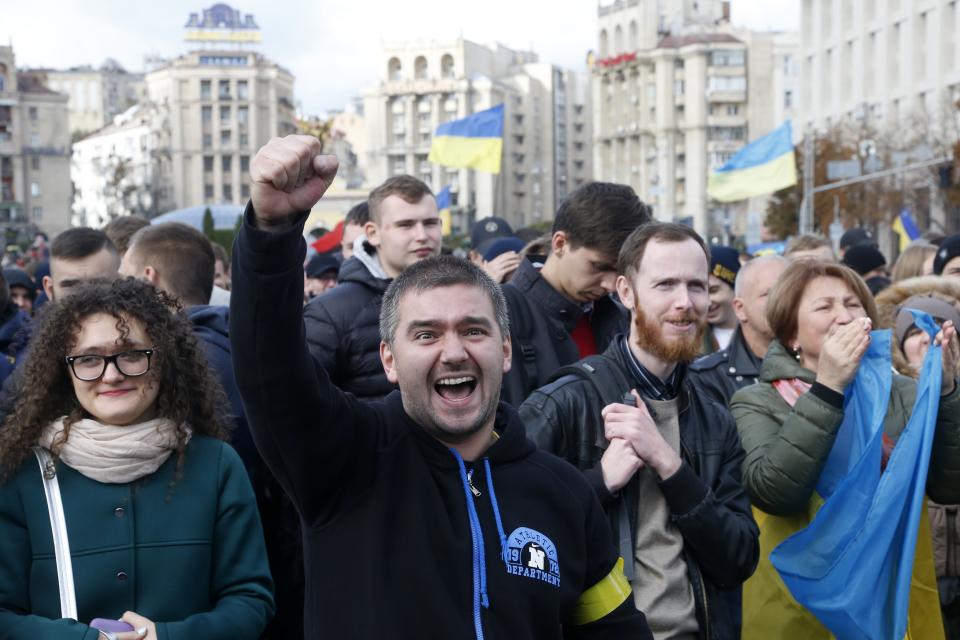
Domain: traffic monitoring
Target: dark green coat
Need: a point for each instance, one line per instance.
(787, 447)
(193, 560)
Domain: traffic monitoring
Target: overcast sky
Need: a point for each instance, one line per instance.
(333, 48)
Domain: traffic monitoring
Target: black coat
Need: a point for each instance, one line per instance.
(706, 498)
(545, 322)
(393, 547)
(343, 331)
(722, 373)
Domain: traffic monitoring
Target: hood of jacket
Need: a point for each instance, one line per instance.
(780, 364)
(366, 253)
(364, 268)
(211, 323)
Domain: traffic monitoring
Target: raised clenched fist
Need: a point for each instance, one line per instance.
(288, 175)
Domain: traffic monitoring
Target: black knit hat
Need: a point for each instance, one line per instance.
(949, 250)
(20, 278)
(864, 258)
(855, 236)
(724, 263)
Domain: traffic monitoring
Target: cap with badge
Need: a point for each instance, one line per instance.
(949, 249)
(488, 230)
(724, 263)
(854, 237)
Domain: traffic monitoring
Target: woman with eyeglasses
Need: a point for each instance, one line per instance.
(161, 521)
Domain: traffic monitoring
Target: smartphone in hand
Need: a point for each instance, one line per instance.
(114, 626)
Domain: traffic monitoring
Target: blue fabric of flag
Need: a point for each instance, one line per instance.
(483, 124)
(759, 152)
(443, 198)
(851, 567)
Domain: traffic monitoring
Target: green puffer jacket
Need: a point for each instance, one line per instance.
(787, 447)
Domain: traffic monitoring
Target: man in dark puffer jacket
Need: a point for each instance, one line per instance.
(343, 324)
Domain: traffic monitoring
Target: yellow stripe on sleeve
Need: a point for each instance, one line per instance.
(602, 598)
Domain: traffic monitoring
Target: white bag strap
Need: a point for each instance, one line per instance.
(58, 525)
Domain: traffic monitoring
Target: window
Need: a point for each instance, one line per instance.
(35, 163)
(3, 83)
(733, 110)
(244, 164)
(726, 58)
(34, 189)
(207, 141)
(225, 138)
(208, 191)
(207, 164)
(420, 68)
(243, 116)
(224, 115)
(35, 140)
(244, 140)
(37, 214)
(243, 90)
(726, 83)
(32, 111)
(446, 66)
(788, 99)
(393, 70)
(423, 120)
(245, 191)
(205, 89)
(678, 87)
(726, 133)
(206, 114)
(398, 165)
(226, 164)
(227, 192)
(224, 93)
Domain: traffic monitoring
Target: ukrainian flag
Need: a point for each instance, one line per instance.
(906, 228)
(475, 142)
(763, 166)
(443, 206)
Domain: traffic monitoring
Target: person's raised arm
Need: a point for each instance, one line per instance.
(302, 425)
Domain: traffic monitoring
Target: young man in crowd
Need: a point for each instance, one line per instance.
(563, 312)
(810, 245)
(353, 225)
(76, 256)
(947, 261)
(721, 319)
(663, 458)
(343, 324)
(406, 504)
(722, 373)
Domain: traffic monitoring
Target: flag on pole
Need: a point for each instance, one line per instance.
(474, 142)
(443, 206)
(763, 166)
(906, 228)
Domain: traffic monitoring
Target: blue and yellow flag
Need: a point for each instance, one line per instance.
(475, 142)
(443, 206)
(906, 228)
(763, 166)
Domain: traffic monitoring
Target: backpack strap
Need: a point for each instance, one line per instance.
(612, 386)
(58, 526)
(521, 328)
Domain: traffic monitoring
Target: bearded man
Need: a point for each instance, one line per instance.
(663, 459)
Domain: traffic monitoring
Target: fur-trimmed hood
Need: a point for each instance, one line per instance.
(889, 300)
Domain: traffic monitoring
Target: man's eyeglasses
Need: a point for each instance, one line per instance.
(135, 362)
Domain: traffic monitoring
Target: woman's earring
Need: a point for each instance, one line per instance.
(796, 352)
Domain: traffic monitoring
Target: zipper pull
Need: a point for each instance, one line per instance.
(476, 492)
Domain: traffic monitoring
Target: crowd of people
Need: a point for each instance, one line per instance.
(606, 431)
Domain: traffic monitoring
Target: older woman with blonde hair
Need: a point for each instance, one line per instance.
(821, 315)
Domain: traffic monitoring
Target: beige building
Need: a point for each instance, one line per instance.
(213, 110)
(676, 92)
(34, 152)
(96, 95)
(546, 144)
(879, 61)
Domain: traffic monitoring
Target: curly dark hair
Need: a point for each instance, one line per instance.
(189, 394)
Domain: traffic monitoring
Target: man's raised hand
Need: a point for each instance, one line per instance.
(288, 176)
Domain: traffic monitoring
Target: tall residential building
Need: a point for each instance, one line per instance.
(676, 91)
(34, 153)
(546, 134)
(879, 61)
(96, 95)
(113, 170)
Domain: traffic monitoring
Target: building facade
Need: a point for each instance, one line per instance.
(676, 92)
(113, 170)
(546, 134)
(879, 61)
(35, 187)
(96, 95)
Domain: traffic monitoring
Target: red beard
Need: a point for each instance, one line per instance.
(650, 336)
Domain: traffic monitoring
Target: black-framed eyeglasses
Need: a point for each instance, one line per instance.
(135, 362)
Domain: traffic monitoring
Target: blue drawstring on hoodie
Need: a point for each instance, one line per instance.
(480, 598)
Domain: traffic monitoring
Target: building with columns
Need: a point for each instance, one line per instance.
(676, 92)
(546, 146)
(96, 94)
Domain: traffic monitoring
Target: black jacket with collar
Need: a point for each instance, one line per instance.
(343, 331)
(706, 498)
(551, 317)
(387, 511)
(725, 372)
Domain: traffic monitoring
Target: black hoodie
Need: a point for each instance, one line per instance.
(396, 542)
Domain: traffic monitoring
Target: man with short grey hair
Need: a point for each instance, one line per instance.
(722, 373)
